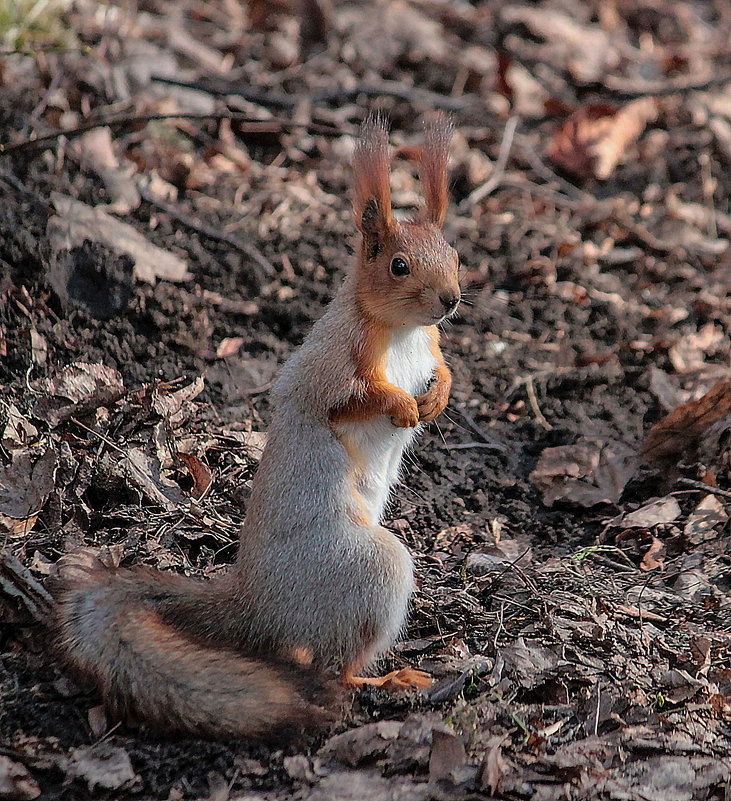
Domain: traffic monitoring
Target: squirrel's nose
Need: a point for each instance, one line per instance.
(449, 300)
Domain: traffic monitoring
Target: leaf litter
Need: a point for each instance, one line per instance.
(573, 605)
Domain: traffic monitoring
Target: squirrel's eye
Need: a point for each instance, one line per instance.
(399, 267)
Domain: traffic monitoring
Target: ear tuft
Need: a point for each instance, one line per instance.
(438, 135)
(371, 187)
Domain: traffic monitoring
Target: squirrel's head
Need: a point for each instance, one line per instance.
(407, 274)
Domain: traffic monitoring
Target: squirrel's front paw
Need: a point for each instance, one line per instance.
(432, 403)
(404, 412)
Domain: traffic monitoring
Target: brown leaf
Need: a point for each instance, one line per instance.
(650, 560)
(390, 742)
(26, 483)
(587, 473)
(593, 140)
(528, 663)
(687, 355)
(16, 783)
(18, 430)
(447, 755)
(659, 512)
(200, 473)
(97, 716)
(679, 431)
(229, 346)
(586, 51)
(702, 522)
(700, 653)
(96, 152)
(75, 222)
(172, 405)
(364, 743)
(493, 765)
(77, 390)
(102, 765)
(143, 471)
(38, 347)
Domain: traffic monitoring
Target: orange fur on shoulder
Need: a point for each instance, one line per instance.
(370, 370)
(375, 395)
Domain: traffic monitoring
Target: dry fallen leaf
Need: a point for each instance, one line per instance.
(16, 783)
(38, 347)
(390, 742)
(595, 139)
(102, 765)
(200, 473)
(78, 389)
(143, 471)
(687, 355)
(97, 716)
(681, 429)
(702, 523)
(18, 431)
(75, 222)
(586, 51)
(363, 743)
(587, 473)
(24, 486)
(528, 663)
(499, 556)
(653, 558)
(173, 405)
(95, 150)
(665, 388)
(493, 765)
(254, 443)
(229, 346)
(447, 755)
(656, 513)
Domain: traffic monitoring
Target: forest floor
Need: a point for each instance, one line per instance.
(162, 253)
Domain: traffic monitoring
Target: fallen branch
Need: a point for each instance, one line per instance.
(16, 581)
(499, 169)
(266, 267)
(252, 125)
(281, 100)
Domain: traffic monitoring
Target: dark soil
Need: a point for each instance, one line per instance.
(580, 668)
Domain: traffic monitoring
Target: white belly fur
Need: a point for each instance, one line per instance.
(377, 444)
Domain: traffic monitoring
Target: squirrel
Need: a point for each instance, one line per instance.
(319, 587)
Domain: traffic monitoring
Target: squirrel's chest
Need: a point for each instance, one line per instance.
(410, 362)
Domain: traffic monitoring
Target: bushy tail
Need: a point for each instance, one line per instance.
(147, 670)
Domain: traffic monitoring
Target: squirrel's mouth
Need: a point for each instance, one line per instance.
(440, 318)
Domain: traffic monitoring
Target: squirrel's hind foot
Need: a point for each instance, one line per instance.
(396, 680)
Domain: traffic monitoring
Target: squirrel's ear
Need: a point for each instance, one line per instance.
(371, 187)
(434, 168)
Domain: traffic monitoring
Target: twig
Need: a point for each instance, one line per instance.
(701, 487)
(621, 88)
(598, 707)
(548, 174)
(21, 584)
(463, 446)
(533, 400)
(502, 160)
(267, 268)
(340, 95)
(489, 441)
(260, 124)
